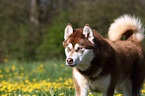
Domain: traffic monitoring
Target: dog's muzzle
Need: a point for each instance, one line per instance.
(69, 62)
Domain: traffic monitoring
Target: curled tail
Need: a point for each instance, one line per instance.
(127, 26)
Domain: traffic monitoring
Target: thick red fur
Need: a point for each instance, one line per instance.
(119, 59)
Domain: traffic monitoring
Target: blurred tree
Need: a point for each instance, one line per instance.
(10, 18)
(34, 12)
(51, 46)
(18, 36)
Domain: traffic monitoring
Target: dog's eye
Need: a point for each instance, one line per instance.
(79, 49)
(68, 49)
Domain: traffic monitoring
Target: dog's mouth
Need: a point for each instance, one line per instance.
(71, 64)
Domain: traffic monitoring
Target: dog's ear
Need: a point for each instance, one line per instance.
(87, 31)
(68, 31)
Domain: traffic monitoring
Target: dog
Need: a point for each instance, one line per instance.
(107, 65)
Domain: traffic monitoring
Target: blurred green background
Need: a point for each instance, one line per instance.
(33, 29)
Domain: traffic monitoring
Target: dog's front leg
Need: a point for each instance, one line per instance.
(81, 84)
(81, 90)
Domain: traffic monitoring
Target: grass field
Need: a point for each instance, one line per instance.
(51, 78)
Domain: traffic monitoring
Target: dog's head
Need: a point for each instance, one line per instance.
(79, 46)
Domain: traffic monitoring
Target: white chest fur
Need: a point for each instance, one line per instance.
(100, 84)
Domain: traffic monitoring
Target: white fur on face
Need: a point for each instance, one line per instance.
(68, 50)
(82, 57)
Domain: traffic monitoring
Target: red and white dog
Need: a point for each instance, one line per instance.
(105, 65)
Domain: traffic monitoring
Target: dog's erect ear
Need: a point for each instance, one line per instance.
(87, 31)
(68, 31)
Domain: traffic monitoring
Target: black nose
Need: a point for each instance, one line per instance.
(69, 61)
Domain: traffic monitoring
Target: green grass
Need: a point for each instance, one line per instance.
(35, 78)
(51, 78)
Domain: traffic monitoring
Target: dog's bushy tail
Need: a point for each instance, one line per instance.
(128, 28)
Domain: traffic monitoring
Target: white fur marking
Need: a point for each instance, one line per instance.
(101, 84)
(84, 59)
(76, 46)
(70, 45)
(66, 49)
(97, 73)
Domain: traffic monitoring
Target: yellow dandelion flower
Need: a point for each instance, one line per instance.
(69, 87)
(27, 81)
(16, 74)
(34, 80)
(91, 95)
(4, 82)
(62, 65)
(118, 95)
(55, 65)
(1, 76)
(1, 71)
(38, 67)
(9, 90)
(144, 85)
(9, 94)
(22, 74)
(44, 81)
(41, 70)
(66, 83)
(7, 56)
(0, 85)
(61, 94)
(4, 95)
(60, 78)
(41, 66)
(13, 68)
(48, 79)
(21, 68)
(6, 91)
(5, 60)
(143, 91)
(59, 88)
(24, 90)
(7, 70)
(30, 90)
